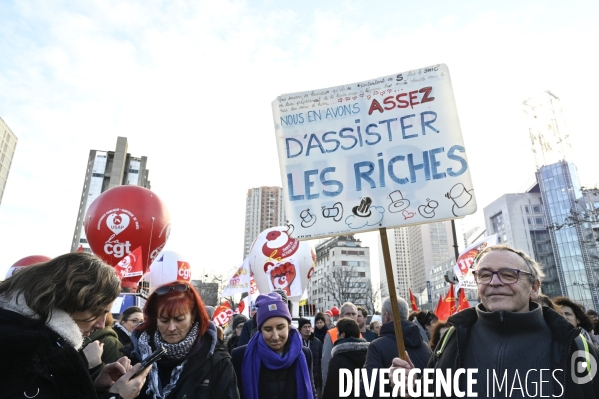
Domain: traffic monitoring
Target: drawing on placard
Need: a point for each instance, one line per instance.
(407, 214)
(290, 228)
(365, 215)
(460, 197)
(398, 203)
(335, 212)
(307, 218)
(428, 210)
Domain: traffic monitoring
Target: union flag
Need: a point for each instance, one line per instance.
(448, 306)
(462, 300)
(413, 301)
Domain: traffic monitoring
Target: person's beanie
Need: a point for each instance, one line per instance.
(210, 311)
(320, 316)
(237, 320)
(302, 322)
(269, 306)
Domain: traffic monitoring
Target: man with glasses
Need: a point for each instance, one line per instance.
(520, 348)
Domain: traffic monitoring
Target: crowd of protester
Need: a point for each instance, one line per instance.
(59, 340)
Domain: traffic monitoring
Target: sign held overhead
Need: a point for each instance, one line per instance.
(382, 153)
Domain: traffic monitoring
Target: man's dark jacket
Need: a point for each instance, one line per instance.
(562, 347)
(272, 384)
(315, 347)
(350, 354)
(383, 350)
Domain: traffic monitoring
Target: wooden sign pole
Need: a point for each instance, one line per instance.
(401, 349)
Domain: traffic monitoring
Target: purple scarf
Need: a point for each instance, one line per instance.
(258, 352)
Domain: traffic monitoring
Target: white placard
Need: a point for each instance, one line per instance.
(386, 152)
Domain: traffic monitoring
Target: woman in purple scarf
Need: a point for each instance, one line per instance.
(274, 364)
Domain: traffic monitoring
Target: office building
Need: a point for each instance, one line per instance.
(264, 209)
(341, 274)
(8, 144)
(415, 251)
(105, 170)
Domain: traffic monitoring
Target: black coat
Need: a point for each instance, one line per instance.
(272, 384)
(383, 349)
(123, 336)
(207, 374)
(315, 347)
(36, 360)
(349, 353)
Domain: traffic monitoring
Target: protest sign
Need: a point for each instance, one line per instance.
(380, 153)
(463, 267)
(240, 281)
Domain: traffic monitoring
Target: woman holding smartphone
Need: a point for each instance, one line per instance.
(195, 365)
(46, 310)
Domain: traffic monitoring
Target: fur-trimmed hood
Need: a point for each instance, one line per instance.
(350, 345)
(60, 321)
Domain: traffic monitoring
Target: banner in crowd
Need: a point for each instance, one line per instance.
(240, 281)
(222, 314)
(463, 267)
(379, 153)
(130, 269)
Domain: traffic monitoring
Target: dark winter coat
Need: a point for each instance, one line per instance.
(272, 384)
(248, 331)
(369, 335)
(315, 347)
(207, 374)
(320, 333)
(562, 345)
(383, 350)
(123, 336)
(112, 346)
(350, 354)
(38, 362)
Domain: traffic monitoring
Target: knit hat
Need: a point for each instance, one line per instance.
(320, 316)
(269, 306)
(237, 320)
(302, 322)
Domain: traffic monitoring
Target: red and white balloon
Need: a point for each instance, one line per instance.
(169, 266)
(280, 261)
(125, 218)
(26, 261)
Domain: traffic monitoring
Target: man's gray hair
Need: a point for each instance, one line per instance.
(347, 305)
(533, 267)
(403, 308)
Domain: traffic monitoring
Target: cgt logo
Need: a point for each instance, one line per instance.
(117, 249)
(583, 367)
(184, 271)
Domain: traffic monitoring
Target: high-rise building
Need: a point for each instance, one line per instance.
(105, 170)
(574, 247)
(264, 209)
(415, 251)
(8, 144)
(341, 274)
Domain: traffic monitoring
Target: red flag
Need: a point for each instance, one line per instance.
(439, 304)
(80, 249)
(462, 300)
(130, 269)
(413, 301)
(447, 307)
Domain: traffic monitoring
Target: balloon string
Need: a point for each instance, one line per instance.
(150, 243)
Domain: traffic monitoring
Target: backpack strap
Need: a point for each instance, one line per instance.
(448, 333)
(583, 345)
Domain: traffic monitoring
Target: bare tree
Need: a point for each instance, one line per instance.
(371, 296)
(345, 285)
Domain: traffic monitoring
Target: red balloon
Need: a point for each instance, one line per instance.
(335, 311)
(26, 261)
(31, 260)
(124, 218)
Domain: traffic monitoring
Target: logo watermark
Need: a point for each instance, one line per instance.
(583, 367)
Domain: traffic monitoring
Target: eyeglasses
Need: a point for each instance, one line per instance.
(166, 289)
(506, 276)
(135, 321)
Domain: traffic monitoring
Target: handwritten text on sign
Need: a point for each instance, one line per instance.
(381, 153)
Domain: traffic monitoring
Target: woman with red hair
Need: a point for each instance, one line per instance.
(196, 365)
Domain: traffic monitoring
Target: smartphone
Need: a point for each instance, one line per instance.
(148, 361)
